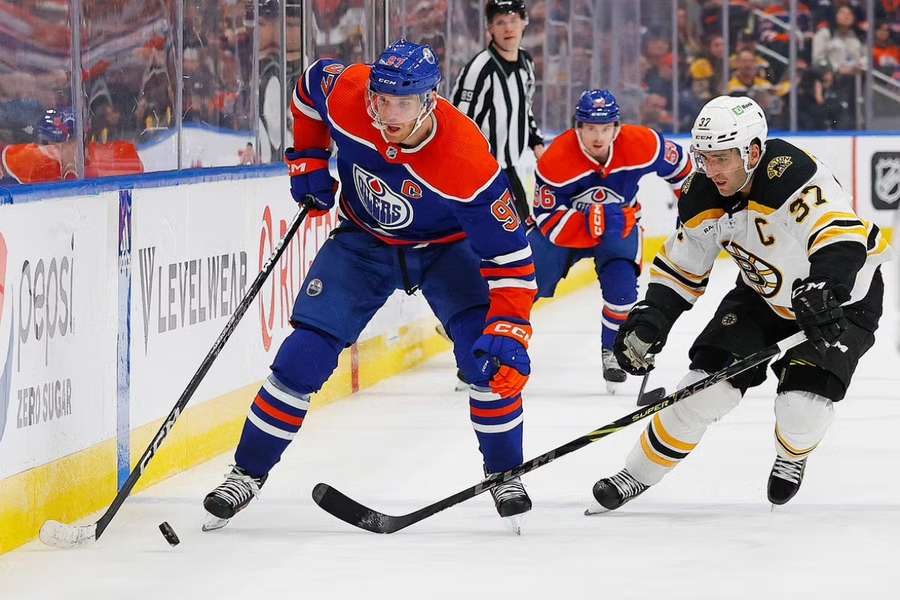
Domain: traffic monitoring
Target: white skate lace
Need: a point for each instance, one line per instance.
(628, 486)
(789, 470)
(508, 489)
(237, 488)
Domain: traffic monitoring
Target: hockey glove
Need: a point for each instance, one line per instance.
(610, 219)
(817, 306)
(311, 184)
(642, 335)
(501, 354)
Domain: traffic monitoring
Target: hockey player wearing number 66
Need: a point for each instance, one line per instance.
(423, 205)
(585, 206)
(807, 262)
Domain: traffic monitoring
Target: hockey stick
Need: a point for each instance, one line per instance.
(651, 397)
(60, 535)
(352, 512)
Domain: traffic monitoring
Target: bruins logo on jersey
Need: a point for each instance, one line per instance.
(760, 275)
(777, 166)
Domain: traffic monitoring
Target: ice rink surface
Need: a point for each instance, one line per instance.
(706, 531)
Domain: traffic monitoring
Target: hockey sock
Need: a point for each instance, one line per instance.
(304, 362)
(618, 282)
(498, 425)
(675, 431)
(801, 420)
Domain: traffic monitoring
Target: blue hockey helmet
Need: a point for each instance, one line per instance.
(404, 69)
(55, 126)
(598, 107)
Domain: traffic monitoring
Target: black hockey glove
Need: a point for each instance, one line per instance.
(817, 306)
(642, 335)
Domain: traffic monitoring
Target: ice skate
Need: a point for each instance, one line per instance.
(612, 372)
(612, 492)
(512, 503)
(785, 480)
(461, 384)
(231, 497)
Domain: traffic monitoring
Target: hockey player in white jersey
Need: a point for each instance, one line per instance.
(807, 262)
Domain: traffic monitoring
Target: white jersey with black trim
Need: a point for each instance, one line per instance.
(796, 208)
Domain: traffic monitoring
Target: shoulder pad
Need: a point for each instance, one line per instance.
(635, 147)
(700, 200)
(564, 161)
(457, 163)
(783, 170)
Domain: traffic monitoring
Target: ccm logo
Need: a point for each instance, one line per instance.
(512, 330)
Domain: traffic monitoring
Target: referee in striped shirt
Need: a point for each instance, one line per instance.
(496, 90)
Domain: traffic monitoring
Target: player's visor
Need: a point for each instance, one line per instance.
(386, 109)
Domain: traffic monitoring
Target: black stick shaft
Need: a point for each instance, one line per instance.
(194, 383)
(352, 512)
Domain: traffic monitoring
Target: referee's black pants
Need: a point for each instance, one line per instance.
(519, 197)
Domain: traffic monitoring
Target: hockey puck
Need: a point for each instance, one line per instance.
(169, 533)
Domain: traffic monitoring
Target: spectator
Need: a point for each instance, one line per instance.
(748, 82)
(659, 78)
(247, 156)
(689, 45)
(692, 99)
(748, 42)
(839, 49)
(654, 114)
(831, 106)
(886, 54)
(811, 97)
(711, 59)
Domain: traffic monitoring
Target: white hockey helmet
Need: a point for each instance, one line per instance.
(728, 122)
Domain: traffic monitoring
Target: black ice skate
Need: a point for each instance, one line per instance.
(231, 497)
(612, 492)
(512, 502)
(612, 372)
(785, 479)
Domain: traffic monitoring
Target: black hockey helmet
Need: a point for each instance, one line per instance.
(503, 7)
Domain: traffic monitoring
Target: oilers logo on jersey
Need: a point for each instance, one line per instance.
(389, 209)
(596, 195)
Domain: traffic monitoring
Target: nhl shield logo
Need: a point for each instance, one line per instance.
(886, 180)
(314, 287)
(391, 152)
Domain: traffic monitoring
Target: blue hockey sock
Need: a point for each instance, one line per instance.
(498, 424)
(618, 281)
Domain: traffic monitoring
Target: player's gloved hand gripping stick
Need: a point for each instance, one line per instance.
(354, 513)
(60, 535)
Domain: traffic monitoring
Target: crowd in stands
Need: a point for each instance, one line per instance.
(830, 54)
(129, 56)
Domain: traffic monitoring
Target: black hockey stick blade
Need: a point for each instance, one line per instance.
(350, 511)
(651, 397)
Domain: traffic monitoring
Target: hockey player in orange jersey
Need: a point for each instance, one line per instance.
(585, 206)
